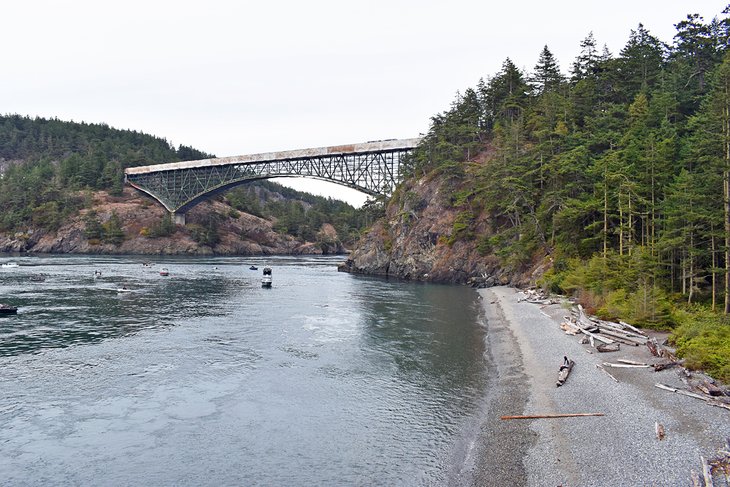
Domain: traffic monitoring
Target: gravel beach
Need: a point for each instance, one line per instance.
(526, 348)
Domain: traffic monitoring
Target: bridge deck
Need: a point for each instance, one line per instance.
(363, 148)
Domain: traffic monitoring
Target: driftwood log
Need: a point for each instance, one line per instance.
(632, 362)
(548, 416)
(634, 329)
(696, 480)
(706, 472)
(664, 365)
(710, 389)
(564, 371)
(626, 366)
(605, 347)
(708, 400)
(653, 346)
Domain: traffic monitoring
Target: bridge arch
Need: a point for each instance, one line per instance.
(371, 167)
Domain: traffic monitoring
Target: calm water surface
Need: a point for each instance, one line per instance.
(205, 378)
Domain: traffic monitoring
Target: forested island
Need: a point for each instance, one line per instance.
(610, 183)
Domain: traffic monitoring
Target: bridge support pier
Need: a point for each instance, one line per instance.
(178, 218)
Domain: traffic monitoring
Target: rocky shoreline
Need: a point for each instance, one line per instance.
(526, 347)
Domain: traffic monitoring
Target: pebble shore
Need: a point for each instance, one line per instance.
(526, 348)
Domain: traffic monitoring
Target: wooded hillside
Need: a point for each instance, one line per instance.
(617, 171)
(49, 166)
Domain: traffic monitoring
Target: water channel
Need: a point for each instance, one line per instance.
(204, 378)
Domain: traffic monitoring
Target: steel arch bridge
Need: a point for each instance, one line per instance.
(371, 167)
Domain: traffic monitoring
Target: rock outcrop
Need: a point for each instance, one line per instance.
(415, 241)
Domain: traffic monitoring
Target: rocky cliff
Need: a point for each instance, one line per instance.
(416, 241)
(240, 233)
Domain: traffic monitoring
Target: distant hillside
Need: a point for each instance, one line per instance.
(51, 169)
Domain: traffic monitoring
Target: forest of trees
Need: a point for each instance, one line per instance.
(49, 167)
(619, 171)
(46, 164)
(302, 214)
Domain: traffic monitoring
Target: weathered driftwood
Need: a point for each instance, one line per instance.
(607, 372)
(710, 389)
(665, 365)
(659, 429)
(564, 371)
(706, 472)
(659, 351)
(708, 400)
(619, 339)
(626, 366)
(634, 329)
(664, 353)
(631, 362)
(589, 328)
(548, 416)
(603, 347)
(583, 318)
(618, 335)
(593, 336)
(653, 346)
(537, 297)
(606, 325)
(569, 328)
(696, 480)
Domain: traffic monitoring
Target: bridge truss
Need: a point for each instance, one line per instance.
(371, 167)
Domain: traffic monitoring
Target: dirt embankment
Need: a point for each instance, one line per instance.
(240, 233)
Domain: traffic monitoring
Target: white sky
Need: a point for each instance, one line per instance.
(241, 77)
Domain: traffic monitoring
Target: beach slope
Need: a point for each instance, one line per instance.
(621, 448)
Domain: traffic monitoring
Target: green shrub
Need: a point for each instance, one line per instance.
(462, 229)
(164, 228)
(703, 340)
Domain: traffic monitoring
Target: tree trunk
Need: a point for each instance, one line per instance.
(605, 210)
(726, 192)
(714, 268)
(631, 228)
(691, 269)
(620, 226)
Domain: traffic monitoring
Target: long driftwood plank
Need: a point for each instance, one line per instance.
(696, 396)
(626, 366)
(548, 416)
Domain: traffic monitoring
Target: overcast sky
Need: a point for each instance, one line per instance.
(240, 77)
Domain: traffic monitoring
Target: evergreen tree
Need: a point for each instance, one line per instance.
(547, 76)
(586, 64)
(113, 232)
(639, 64)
